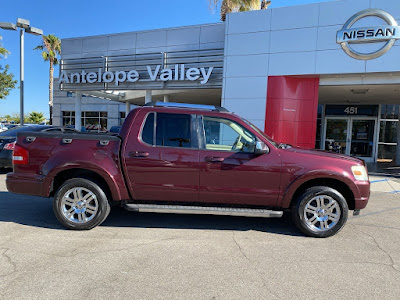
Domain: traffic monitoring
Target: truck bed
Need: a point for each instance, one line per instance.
(53, 152)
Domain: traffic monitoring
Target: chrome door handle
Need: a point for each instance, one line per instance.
(67, 141)
(138, 154)
(211, 159)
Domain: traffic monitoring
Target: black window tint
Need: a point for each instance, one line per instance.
(173, 130)
(148, 130)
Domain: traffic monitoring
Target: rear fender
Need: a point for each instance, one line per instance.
(103, 164)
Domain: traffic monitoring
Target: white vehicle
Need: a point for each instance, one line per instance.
(3, 127)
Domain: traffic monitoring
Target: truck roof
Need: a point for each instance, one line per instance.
(186, 105)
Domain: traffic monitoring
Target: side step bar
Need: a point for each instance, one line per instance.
(227, 211)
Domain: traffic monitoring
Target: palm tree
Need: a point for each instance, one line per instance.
(228, 6)
(265, 4)
(51, 48)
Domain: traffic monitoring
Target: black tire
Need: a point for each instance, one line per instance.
(303, 220)
(95, 219)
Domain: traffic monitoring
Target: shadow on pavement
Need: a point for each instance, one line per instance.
(122, 218)
(27, 210)
(38, 212)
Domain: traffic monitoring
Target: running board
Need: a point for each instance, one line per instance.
(227, 211)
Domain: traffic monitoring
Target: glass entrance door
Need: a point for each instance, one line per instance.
(336, 135)
(362, 138)
(355, 136)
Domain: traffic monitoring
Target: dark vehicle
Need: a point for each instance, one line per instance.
(8, 140)
(173, 157)
(115, 129)
(60, 129)
(11, 126)
(83, 128)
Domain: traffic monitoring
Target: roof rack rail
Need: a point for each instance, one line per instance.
(186, 105)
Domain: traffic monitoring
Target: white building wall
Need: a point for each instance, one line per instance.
(296, 40)
(197, 37)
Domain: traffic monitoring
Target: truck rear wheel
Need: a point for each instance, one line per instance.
(80, 204)
(320, 212)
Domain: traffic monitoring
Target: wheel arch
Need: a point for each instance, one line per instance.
(339, 185)
(64, 175)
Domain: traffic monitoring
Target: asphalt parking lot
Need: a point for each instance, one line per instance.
(165, 256)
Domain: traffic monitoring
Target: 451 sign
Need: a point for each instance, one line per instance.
(351, 110)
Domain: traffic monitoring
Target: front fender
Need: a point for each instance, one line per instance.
(312, 175)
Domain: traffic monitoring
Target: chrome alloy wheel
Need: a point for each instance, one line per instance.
(322, 213)
(79, 205)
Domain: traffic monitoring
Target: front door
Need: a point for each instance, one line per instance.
(355, 136)
(230, 172)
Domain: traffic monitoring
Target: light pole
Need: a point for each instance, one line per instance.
(24, 26)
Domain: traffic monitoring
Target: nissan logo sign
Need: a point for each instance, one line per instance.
(375, 34)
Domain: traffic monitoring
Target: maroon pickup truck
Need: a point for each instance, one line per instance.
(192, 159)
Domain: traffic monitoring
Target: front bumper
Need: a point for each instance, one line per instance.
(26, 185)
(361, 193)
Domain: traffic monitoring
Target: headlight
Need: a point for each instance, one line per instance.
(360, 173)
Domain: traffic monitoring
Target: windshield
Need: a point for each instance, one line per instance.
(261, 132)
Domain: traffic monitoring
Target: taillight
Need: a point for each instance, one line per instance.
(9, 146)
(20, 156)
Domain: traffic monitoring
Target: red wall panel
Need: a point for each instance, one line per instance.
(292, 106)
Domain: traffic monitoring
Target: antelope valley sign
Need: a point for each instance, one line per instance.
(178, 73)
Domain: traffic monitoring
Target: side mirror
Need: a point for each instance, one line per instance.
(261, 148)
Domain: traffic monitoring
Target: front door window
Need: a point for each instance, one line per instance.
(226, 135)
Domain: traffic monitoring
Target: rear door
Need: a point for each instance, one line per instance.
(162, 158)
(230, 172)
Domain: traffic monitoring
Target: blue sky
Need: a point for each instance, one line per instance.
(75, 18)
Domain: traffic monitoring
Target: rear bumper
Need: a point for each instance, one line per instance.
(26, 185)
(361, 193)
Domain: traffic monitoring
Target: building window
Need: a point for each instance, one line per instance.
(68, 118)
(94, 121)
(122, 117)
(388, 132)
(71, 94)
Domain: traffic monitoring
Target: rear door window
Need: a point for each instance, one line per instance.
(171, 130)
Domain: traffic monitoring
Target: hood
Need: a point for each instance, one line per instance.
(322, 153)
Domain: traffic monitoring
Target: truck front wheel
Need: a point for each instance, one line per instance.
(80, 204)
(320, 212)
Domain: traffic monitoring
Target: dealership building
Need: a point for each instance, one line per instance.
(324, 75)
